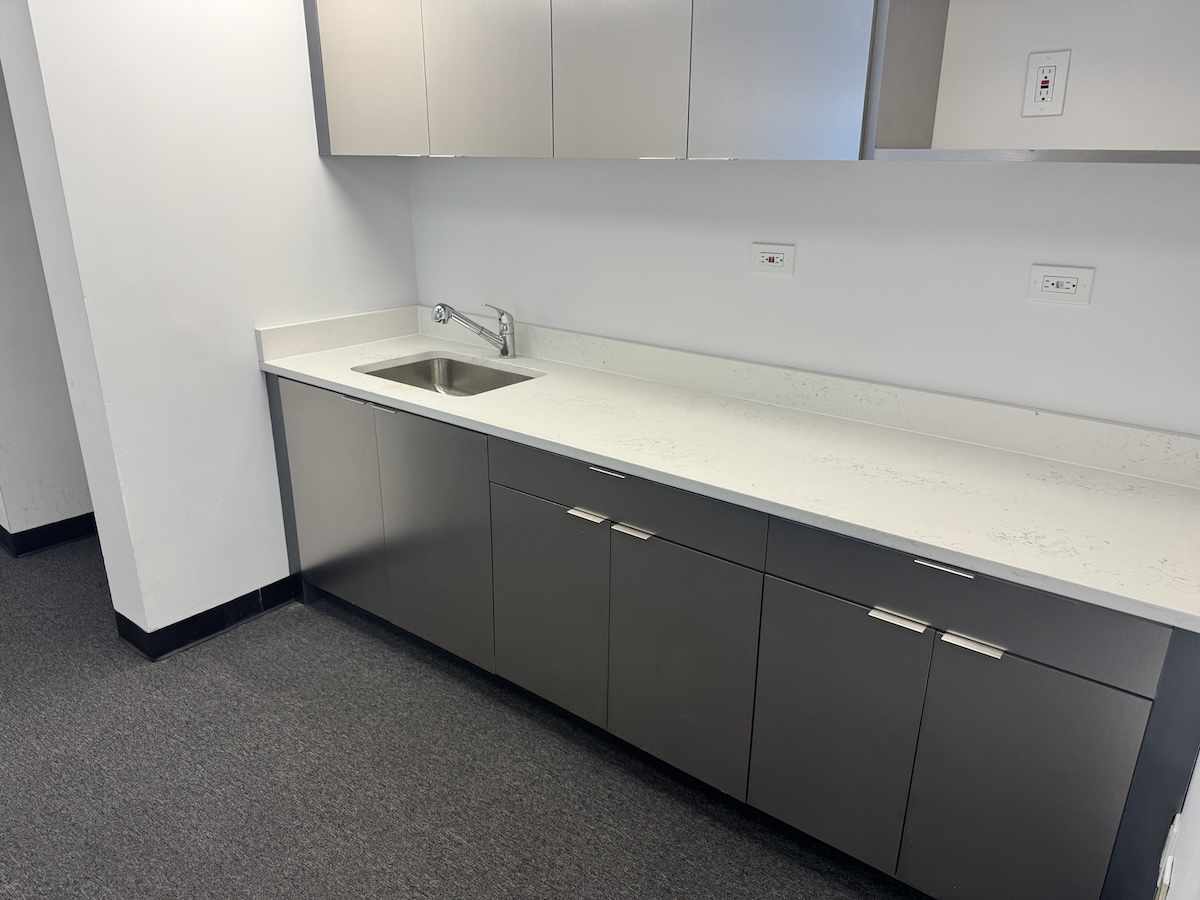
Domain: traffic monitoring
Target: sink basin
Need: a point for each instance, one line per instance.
(450, 375)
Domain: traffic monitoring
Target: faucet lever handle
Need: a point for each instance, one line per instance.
(506, 318)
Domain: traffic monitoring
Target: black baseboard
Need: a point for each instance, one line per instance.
(23, 542)
(157, 644)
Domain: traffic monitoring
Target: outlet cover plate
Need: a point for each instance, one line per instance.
(773, 259)
(1061, 284)
(1046, 83)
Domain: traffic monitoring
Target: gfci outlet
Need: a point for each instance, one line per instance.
(1046, 83)
(1061, 284)
(775, 259)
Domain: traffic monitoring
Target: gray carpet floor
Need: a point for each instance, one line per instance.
(314, 753)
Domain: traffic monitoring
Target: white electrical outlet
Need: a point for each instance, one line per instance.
(1046, 83)
(774, 259)
(1061, 284)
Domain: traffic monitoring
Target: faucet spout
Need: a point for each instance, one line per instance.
(504, 341)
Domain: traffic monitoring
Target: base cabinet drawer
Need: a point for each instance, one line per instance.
(1021, 777)
(684, 642)
(711, 526)
(1102, 644)
(551, 601)
(836, 719)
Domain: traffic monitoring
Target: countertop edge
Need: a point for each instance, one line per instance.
(1117, 602)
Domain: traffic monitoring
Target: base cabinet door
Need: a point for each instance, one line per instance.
(437, 530)
(836, 719)
(1021, 777)
(551, 600)
(684, 642)
(335, 486)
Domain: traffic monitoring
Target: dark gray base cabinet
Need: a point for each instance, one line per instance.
(551, 601)
(836, 720)
(968, 771)
(684, 643)
(437, 532)
(334, 465)
(1021, 777)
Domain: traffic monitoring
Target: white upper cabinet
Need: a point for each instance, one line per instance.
(779, 79)
(621, 77)
(488, 71)
(372, 56)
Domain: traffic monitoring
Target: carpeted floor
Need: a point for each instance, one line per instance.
(314, 753)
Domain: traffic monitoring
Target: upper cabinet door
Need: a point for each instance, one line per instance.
(373, 62)
(779, 79)
(488, 70)
(621, 78)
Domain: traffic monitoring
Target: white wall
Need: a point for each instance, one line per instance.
(909, 273)
(198, 209)
(1134, 81)
(41, 470)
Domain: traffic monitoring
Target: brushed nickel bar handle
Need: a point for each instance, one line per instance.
(633, 532)
(932, 565)
(975, 646)
(606, 472)
(892, 619)
(587, 515)
(383, 409)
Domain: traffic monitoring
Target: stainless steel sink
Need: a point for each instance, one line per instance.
(453, 376)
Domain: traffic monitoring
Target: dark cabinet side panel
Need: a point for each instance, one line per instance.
(1021, 777)
(437, 526)
(836, 720)
(334, 467)
(1164, 771)
(551, 601)
(684, 645)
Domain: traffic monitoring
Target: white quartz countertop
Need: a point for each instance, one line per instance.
(1126, 543)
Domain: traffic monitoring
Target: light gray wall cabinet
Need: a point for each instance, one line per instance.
(335, 488)
(488, 72)
(621, 70)
(836, 719)
(437, 530)
(779, 79)
(1021, 777)
(551, 600)
(368, 62)
(683, 646)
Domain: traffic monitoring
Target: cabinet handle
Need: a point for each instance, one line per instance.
(587, 515)
(383, 409)
(975, 646)
(606, 472)
(932, 565)
(633, 532)
(353, 400)
(891, 618)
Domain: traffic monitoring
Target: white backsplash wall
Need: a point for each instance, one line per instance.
(907, 273)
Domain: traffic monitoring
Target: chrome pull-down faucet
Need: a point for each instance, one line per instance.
(505, 341)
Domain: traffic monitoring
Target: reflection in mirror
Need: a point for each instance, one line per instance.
(1047, 79)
